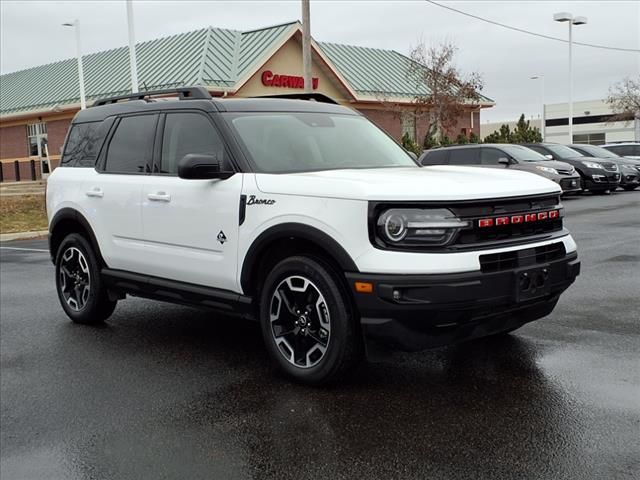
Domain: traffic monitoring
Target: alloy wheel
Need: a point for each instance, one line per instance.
(300, 322)
(75, 279)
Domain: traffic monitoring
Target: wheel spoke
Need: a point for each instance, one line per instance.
(75, 278)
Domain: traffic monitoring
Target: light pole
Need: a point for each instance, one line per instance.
(543, 117)
(571, 20)
(132, 48)
(76, 24)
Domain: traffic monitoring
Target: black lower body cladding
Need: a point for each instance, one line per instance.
(415, 312)
(601, 181)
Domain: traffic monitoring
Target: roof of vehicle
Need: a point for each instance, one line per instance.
(476, 145)
(265, 104)
(615, 144)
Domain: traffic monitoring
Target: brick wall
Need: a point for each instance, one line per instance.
(13, 142)
(391, 123)
(56, 133)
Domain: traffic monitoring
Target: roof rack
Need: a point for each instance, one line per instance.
(318, 97)
(186, 93)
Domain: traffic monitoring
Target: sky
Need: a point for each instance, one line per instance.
(32, 35)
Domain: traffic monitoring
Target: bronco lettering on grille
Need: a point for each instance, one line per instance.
(515, 219)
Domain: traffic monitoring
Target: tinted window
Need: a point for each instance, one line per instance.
(83, 144)
(186, 133)
(131, 146)
(490, 156)
(435, 157)
(540, 150)
(560, 151)
(464, 156)
(593, 151)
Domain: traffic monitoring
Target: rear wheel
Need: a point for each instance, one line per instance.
(79, 284)
(307, 323)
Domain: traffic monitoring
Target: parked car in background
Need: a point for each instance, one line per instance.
(499, 155)
(624, 149)
(598, 174)
(629, 168)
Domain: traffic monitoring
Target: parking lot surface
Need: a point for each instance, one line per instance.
(163, 391)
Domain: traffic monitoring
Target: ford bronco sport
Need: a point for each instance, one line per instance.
(303, 215)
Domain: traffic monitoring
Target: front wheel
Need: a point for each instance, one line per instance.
(629, 188)
(79, 284)
(307, 323)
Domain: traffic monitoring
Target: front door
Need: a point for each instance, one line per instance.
(190, 227)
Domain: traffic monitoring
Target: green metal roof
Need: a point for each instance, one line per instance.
(213, 57)
(376, 72)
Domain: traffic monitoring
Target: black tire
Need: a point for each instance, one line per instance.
(322, 306)
(82, 284)
(629, 188)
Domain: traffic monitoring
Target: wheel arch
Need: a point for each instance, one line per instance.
(291, 239)
(66, 221)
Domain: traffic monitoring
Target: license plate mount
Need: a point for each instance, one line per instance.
(531, 283)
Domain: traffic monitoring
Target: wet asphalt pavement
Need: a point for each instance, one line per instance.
(164, 391)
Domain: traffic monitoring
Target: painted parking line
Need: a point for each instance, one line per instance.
(25, 249)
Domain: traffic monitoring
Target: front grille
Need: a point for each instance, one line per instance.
(498, 262)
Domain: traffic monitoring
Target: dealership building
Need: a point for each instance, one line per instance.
(37, 104)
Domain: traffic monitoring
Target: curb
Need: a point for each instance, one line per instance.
(7, 237)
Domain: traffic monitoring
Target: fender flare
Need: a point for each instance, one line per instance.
(73, 215)
(297, 230)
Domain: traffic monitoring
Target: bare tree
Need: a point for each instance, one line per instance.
(446, 93)
(624, 100)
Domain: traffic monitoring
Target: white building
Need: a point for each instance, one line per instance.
(590, 124)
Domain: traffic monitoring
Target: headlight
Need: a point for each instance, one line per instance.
(548, 170)
(592, 165)
(418, 227)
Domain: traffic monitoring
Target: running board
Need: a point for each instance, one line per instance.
(182, 293)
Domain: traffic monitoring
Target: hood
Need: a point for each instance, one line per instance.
(550, 163)
(440, 182)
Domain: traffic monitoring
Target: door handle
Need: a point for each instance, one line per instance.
(95, 192)
(159, 197)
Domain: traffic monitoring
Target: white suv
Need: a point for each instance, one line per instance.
(303, 215)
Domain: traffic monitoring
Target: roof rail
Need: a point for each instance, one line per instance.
(318, 97)
(186, 93)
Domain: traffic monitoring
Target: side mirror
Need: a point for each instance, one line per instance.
(201, 166)
(548, 157)
(504, 161)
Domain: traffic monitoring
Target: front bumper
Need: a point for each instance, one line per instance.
(629, 178)
(414, 312)
(602, 180)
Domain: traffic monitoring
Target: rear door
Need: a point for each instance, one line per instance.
(112, 192)
(490, 157)
(190, 226)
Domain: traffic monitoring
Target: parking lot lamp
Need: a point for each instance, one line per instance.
(76, 24)
(571, 20)
(542, 118)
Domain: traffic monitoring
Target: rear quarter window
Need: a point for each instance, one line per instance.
(83, 144)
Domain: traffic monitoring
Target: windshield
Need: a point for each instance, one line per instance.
(598, 151)
(303, 142)
(560, 151)
(523, 154)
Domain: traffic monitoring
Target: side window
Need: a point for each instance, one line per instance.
(464, 156)
(436, 157)
(490, 156)
(131, 146)
(186, 133)
(83, 144)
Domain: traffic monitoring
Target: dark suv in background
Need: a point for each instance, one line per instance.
(629, 168)
(502, 155)
(598, 174)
